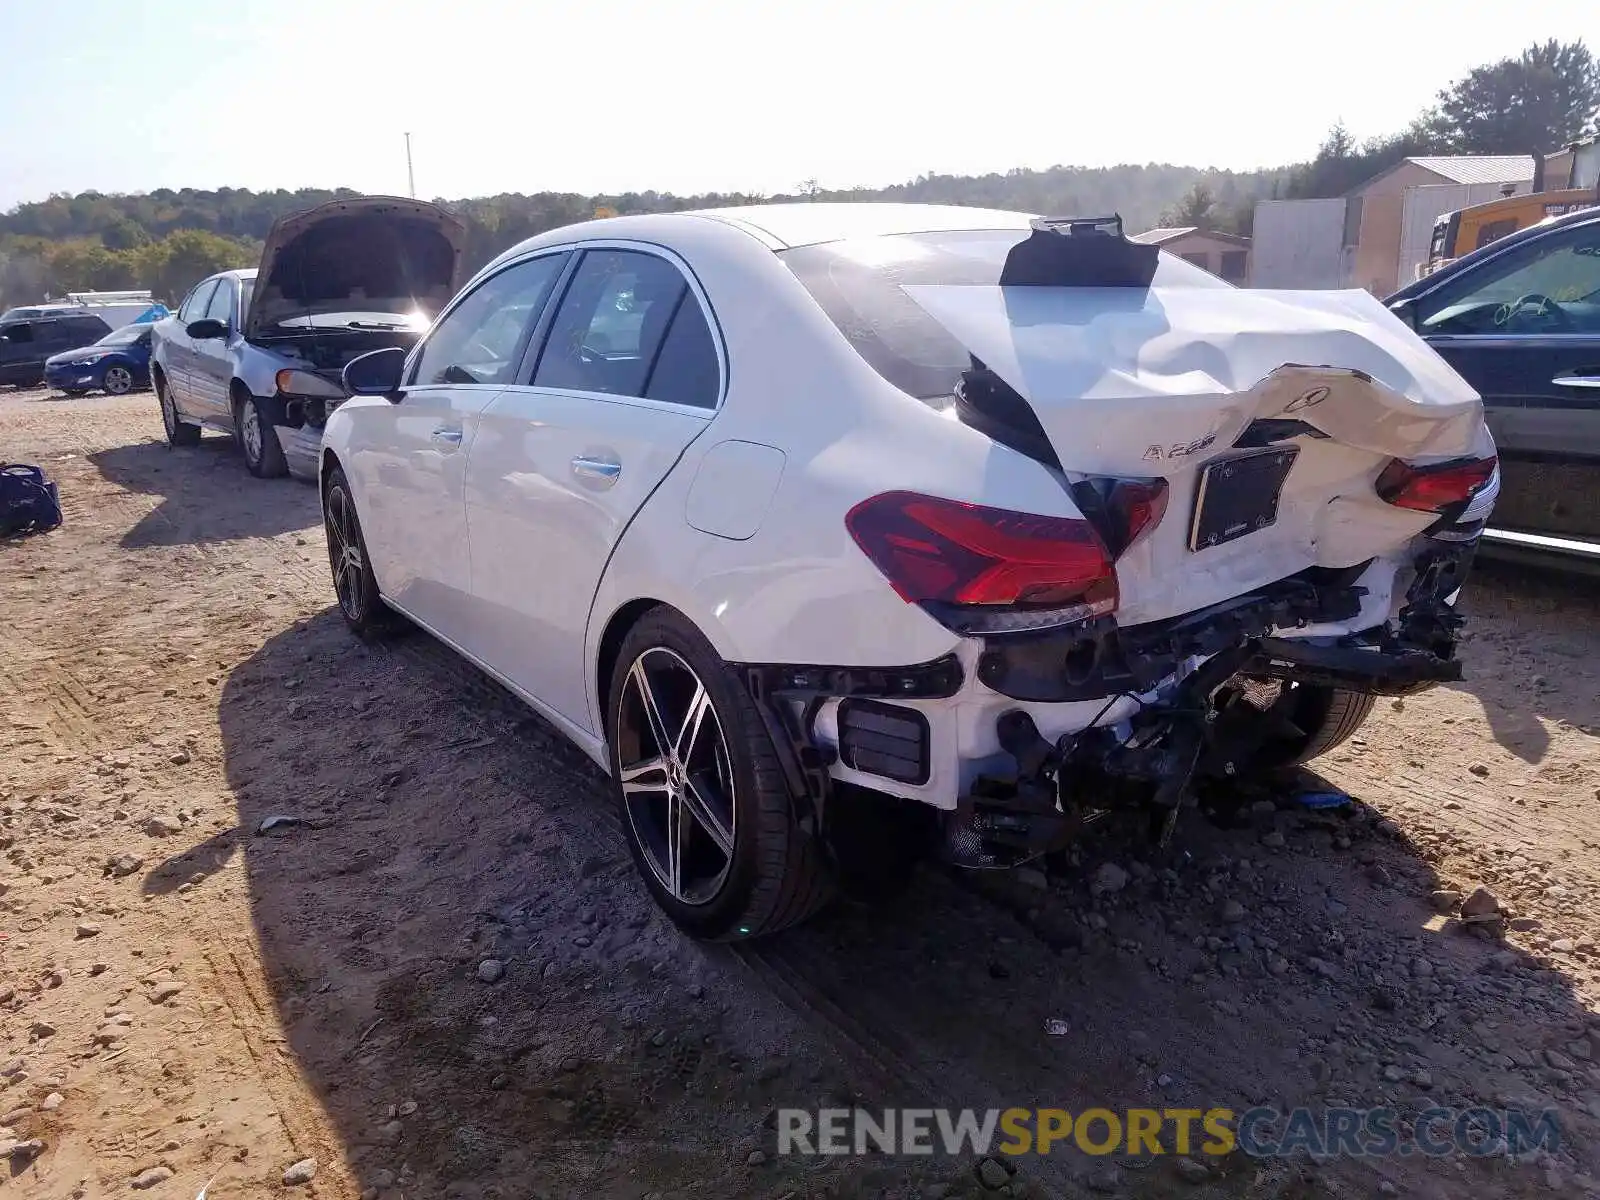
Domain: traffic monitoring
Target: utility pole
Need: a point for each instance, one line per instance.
(411, 176)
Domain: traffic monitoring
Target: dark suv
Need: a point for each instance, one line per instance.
(26, 343)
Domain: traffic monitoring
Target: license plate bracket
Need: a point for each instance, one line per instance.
(1238, 496)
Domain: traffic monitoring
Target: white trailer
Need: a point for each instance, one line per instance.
(1302, 244)
(1421, 207)
(116, 309)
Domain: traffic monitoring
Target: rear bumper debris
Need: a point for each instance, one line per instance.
(960, 733)
(1360, 667)
(1101, 659)
(1169, 749)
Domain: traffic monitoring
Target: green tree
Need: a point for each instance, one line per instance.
(124, 233)
(173, 265)
(1531, 104)
(1340, 165)
(86, 265)
(24, 273)
(1198, 207)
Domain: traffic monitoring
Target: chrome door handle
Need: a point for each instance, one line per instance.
(606, 469)
(1577, 381)
(445, 436)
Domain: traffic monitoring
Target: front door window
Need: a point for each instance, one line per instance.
(1550, 285)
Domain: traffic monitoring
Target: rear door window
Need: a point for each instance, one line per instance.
(89, 329)
(687, 370)
(612, 328)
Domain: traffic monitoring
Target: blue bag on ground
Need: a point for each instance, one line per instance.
(29, 502)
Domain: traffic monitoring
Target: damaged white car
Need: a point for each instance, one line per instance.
(817, 525)
(258, 354)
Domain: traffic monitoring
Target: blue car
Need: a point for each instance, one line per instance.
(117, 363)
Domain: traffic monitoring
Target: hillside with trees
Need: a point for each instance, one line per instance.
(166, 239)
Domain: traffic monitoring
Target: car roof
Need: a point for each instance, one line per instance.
(806, 224)
(777, 226)
(1420, 287)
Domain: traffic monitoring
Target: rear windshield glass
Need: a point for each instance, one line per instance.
(125, 336)
(858, 284)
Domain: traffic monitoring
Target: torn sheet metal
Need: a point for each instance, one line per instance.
(1111, 372)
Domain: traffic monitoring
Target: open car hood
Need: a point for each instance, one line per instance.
(367, 254)
(1120, 377)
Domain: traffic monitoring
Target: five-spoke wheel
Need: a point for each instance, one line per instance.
(677, 780)
(353, 581)
(705, 804)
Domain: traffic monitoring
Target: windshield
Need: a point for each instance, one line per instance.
(858, 283)
(125, 336)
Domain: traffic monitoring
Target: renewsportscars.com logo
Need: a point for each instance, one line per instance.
(1258, 1132)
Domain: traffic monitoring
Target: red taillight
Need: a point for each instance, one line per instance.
(948, 552)
(1137, 505)
(1434, 488)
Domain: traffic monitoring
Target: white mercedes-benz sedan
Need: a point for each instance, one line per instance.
(821, 527)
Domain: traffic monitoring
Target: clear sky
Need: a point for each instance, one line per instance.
(696, 95)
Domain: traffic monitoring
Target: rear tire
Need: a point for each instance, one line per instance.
(356, 587)
(1346, 712)
(1320, 718)
(738, 865)
(179, 433)
(262, 453)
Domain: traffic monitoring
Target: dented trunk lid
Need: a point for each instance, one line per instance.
(1142, 383)
(1138, 382)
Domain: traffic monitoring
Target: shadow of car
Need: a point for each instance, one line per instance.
(435, 826)
(187, 513)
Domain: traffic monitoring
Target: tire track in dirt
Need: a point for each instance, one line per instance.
(883, 1062)
(252, 1012)
(814, 976)
(58, 707)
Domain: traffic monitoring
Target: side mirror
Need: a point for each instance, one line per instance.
(376, 373)
(205, 328)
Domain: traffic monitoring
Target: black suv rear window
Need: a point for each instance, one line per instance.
(858, 284)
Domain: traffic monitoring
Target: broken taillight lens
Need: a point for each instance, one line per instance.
(1137, 506)
(981, 569)
(1440, 486)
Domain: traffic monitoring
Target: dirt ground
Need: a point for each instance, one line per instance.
(252, 870)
